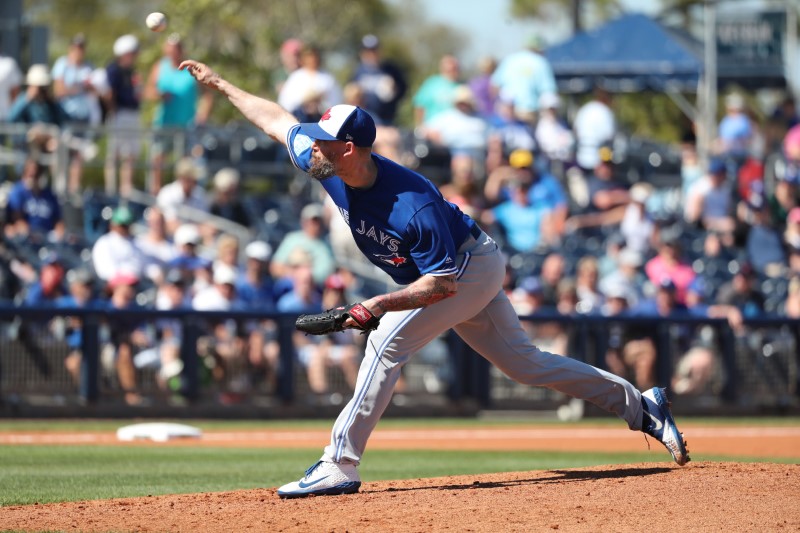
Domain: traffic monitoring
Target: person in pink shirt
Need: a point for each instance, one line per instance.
(668, 265)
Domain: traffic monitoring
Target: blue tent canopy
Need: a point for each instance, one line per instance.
(631, 53)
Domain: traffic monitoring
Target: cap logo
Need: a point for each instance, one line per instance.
(325, 116)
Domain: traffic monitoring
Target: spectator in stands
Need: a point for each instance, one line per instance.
(382, 81)
(764, 244)
(637, 225)
(527, 299)
(553, 136)
(304, 297)
(566, 297)
(37, 105)
(545, 194)
(710, 200)
(80, 297)
(290, 61)
(123, 119)
(668, 265)
(605, 192)
(460, 128)
(128, 335)
(116, 251)
(221, 296)
(46, 290)
(437, 91)
(523, 77)
(228, 254)
(226, 202)
(590, 300)
(507, 133)
(255, 289)
(691, 170)
(10, 83)
(735, 129)
(594, 127)
(519, 220)
(607, 263)
(481, 86)
(463, 188)
(310, 79)
(72, 87)
(741, 292)
(339, 349)
(158, 250)
(32, 208)
(182, 193)
(181, 102)
(553, 271)
(628, 277)
(791, 308)
(309, 238)
(785, 196)
(195, 268)
(791, 236)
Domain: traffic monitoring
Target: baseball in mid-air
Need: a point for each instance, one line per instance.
(156, 21)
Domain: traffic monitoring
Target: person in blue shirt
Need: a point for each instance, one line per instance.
(32, 206)
(80, 297)
(452, 275)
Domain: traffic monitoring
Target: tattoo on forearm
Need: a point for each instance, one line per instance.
(418, 295)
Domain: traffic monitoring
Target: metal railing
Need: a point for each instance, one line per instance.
(760, 369)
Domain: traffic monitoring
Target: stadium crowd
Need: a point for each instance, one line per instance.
(583, 234)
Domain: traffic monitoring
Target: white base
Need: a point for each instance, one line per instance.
(158, 432)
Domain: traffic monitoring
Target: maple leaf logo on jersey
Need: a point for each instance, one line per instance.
(325, 116)
(393, 259)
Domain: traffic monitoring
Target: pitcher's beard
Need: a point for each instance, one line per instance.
(321, 169)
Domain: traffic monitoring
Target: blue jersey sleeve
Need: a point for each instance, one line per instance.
(299, 146)
(433, 249)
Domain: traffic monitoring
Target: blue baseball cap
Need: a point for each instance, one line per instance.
(716, 165)
(343, 123)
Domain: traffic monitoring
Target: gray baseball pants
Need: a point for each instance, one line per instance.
(482, 316)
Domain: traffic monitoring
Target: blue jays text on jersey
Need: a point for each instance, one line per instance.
(402, 223)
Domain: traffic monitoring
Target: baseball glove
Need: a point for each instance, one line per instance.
(333, 320)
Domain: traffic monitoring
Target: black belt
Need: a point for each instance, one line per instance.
(475, 231)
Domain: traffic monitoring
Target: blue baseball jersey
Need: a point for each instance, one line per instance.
(402, 223)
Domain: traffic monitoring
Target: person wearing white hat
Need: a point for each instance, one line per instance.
(553, 136)
(36, 104)
(226, 202)
(183, 192)
(123, 101)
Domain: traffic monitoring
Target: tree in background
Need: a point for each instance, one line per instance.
(575, 9)
(241, 38)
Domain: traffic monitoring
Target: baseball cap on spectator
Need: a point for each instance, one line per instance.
(370, 42)
(534, 42)
(48, 257)
(78, 40)
(618, 291)
(174, 38)
(187, 234)
(258, 250)
(335, 282)
(630, 257)
(122, 216)
(698, 286)
(226, 178)
(790, 174)
(126, 44)
(549, 101)
(640, 192)
(345, 123)
(531, 285)
(734, 101)
(224, 275)
(520, 158)
(312, 211)
(464, 95)
(123, 278)
(794, 215)
(38, 76)
(716, 165)
(746, 269)
(606, 155)
(186, 168)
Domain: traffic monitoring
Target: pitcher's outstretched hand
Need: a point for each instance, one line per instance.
(201, 72)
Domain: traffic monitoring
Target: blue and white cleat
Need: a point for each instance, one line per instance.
(659, 424)
(324, 479)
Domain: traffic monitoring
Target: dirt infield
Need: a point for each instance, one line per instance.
(701, 496)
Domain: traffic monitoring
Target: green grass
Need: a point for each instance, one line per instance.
(55, 426)
(69, 473)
